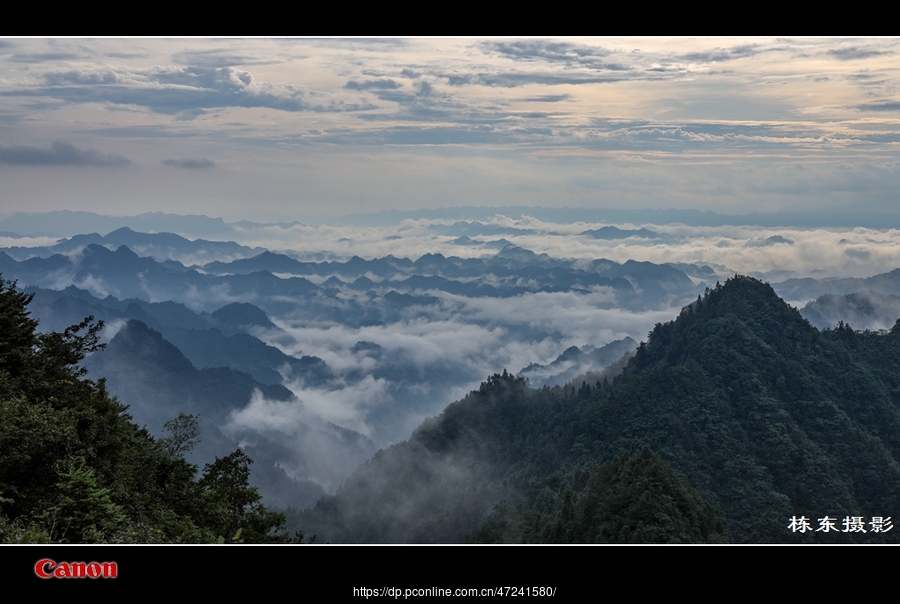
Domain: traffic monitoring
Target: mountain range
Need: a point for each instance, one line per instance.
(312, 365)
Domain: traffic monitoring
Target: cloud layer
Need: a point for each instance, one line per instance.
(317, 128)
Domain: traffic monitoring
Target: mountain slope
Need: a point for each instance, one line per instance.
(766, 417)
(155, 379)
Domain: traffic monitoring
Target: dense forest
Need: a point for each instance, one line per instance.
(727, 423)
(74, 468)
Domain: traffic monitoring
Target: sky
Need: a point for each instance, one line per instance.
(309, 129)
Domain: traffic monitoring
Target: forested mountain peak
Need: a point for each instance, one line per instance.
(747, 299)
(740, 314)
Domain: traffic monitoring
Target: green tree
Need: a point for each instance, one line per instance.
(17, 329)
(234, 509)
(75, 468)
(84, 511)
(184, 435)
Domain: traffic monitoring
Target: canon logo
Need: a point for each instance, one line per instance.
(48, 569)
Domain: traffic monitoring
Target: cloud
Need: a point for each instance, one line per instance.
(310, 447)
(217, 57)
(191, 164)
(173, 89)
(389, 377)
(176, 90)
(849, 53)
(717, 55)
(12, 240)
(546, 62)
(96, 285)
(550, 51)
(879, 106)
(456, 79)
(86, 77)
(383, 84)
(111, 328)
(58, 154)
(515, 80)
(858, 253)
(43, 57)
(548, 98)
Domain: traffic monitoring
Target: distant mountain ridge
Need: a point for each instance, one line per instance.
(66, 223)
(159, 246)
(510, 272)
